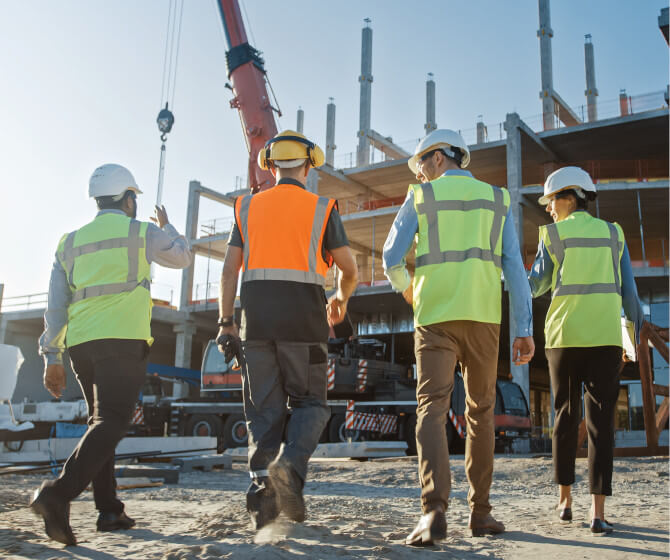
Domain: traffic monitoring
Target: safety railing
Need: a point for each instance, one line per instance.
(25, 302)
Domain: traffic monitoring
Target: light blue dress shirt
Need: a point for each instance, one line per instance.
(542, 270)
(399, 243)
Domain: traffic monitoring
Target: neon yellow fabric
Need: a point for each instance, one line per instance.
(591, 317)
(458, 250)
(95, 259)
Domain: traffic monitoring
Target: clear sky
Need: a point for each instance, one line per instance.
(81, 86)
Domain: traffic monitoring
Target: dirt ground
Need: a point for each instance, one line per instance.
(356, 510)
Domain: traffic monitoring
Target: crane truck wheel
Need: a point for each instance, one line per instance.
(235, 431)
(337, 432)
(207, 425)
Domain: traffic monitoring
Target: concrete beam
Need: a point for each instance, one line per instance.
(226, 199)
(532, 207)
(535, 138)
(563, 111)
(386, 145)
(613, 186)
(356, 246)
(349, 184)
(370, 213)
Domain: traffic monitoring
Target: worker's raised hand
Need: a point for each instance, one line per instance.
(523, 349)
(336, 310)
(161, 217)
(54, 379)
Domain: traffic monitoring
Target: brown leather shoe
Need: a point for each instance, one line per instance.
(432, 528)
(484, 525)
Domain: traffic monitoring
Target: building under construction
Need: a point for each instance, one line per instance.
(622, 144)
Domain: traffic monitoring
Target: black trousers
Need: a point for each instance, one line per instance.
(598, 369)
(111, 373)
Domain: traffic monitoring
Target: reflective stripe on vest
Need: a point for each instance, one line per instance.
(310, 276)
(558, 247)
(430, 207)
(134, 242)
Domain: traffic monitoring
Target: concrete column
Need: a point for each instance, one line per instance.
(330, 132)
(191, 232)
(482, 132)
(301, 120)
(624, 105)
(184, 343)
(520, 374)
(591, 91)
(430, 104)
(363, 152)
(545, 34)
(2, 291)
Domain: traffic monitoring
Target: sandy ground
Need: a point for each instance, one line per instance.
(356, 510)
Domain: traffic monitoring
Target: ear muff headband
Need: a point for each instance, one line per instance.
(310, 146)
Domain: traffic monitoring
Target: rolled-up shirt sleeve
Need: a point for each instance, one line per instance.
(517, 283)
(167, 247)
(539, 277)
(52, 341)
(398, 244)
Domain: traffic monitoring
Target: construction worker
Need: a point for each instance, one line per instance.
(284, 239)
(585, 263)
(99, 308)
(464, 235)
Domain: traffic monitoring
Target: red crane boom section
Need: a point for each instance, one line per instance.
(246, 74)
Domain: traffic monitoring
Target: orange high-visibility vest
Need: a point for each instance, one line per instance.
(282, 229)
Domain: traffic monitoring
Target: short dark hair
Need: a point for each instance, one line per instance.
(582, 203)
(108, 202)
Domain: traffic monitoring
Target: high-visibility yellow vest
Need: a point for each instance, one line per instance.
(458, 250)
(109, 276)
(585, 308)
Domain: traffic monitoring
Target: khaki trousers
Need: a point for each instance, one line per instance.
(438, 347)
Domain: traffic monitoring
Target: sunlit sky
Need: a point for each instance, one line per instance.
(81, 86)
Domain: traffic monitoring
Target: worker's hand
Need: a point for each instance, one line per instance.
(228, 330)
(523, 349)
(54, 379)
(336, 310)
(408, 294)
(161, 218)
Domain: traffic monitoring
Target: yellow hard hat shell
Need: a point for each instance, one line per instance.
(289, 145)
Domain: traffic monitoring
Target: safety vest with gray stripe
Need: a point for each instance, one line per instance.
(282, 230)
(585, 308)
(458, 250)
(109, 277)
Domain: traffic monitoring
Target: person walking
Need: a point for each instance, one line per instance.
(464, 235)
(585, 263)
(99, 308)
(284, 239)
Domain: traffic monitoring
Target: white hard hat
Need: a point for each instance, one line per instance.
(566, 178)
(441, 138)
(111, 180)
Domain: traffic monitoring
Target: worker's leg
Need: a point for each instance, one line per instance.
(601, 389)
(303, 367)
(565, 367)
(436, 350)
(264, 404)
(480, 370)
(119, 370)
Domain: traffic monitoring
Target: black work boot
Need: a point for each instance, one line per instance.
(114, 521)
(262, 503)
(56, 514)
(289, 487)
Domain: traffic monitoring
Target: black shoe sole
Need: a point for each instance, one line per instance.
(52, 528)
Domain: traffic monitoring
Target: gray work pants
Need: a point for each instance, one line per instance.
(278, 376)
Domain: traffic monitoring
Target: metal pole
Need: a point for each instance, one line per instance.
(639, 213)
(363, 152)
(372, 271)
(545, 33)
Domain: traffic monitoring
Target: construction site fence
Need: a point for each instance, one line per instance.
(607, 109)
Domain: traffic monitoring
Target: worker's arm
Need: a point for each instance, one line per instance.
(632, 307)
(346, 284)
(52, 341)
(539, 277)
(165, 245)
(229, 275)
(398, 244)
(521, 303)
